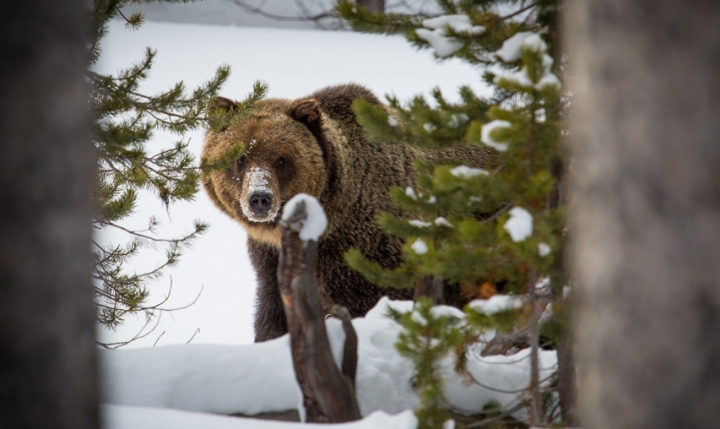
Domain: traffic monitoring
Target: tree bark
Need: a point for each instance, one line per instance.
(646, 222)
(328, 396)
(350, 348)
(373, 5)
(47, 343)
(431, 287)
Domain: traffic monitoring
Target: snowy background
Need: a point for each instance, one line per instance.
(295, 63)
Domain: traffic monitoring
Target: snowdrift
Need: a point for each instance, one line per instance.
(258, 378)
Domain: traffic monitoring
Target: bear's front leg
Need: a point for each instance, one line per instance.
(270, 319)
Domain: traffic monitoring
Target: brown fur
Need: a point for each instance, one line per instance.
(326, 155)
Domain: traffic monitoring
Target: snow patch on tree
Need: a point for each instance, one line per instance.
(419, 224)
(410, 192)
(437, 37)
(510, 50)
(520, 224)
(536, 44)
(496, 304)
(459, 23)
(441, 221)
(486, 134)
(419, 247)
(543, 249)
(315, 223)
(465, 172)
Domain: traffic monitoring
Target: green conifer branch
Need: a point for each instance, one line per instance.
(124, 122)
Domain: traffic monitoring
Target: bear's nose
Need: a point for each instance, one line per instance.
(260, 203)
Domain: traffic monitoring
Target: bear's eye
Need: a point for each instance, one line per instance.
(241, 162)
(280, 162)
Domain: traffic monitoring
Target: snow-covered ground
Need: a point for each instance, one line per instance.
(125, 417)
(257, 378)
(294, 63)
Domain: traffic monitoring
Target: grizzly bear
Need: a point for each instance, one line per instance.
(315, 146)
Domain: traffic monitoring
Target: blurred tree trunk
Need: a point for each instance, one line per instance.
(373, 5)
(646, 220)
(47, 349)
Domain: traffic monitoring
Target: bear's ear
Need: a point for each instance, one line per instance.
(306, 111)
(222, 105)
(220, 111)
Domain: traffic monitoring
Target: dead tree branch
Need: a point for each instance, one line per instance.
(328, 396)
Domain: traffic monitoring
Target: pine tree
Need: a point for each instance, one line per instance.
(124, 120)
(486, 229)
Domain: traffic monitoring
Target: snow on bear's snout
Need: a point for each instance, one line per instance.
(258, 200)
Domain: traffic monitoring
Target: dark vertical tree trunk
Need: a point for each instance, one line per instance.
(647, 211)
(373, 5)
(431, 287)
(567, 383)
(47, 349)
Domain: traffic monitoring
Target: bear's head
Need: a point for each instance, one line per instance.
(285, 153)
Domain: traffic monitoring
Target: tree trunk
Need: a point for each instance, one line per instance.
(431, 287)
(373, 5)
(328, 393)
(47, 349)
(646, 223)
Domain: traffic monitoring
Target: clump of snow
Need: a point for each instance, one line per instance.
(419, 224)
(510, 50)
(429, 127)
(410, 192)
(441, 221)
(536, 44)
(418, 318)
(549, 79)
(465, 172)
(431, 199)
(543, 249)
(443, 46)
(126, 417)
(458, 119)
(486, 134)
(520, 78)
(459, 23)
(447, 311)
(543, 285)
(496, 304)
(419, 247)
(520, 224)
(449, 424)
(437, 38)
(546, 314)
(316, 221)
(392, 121)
